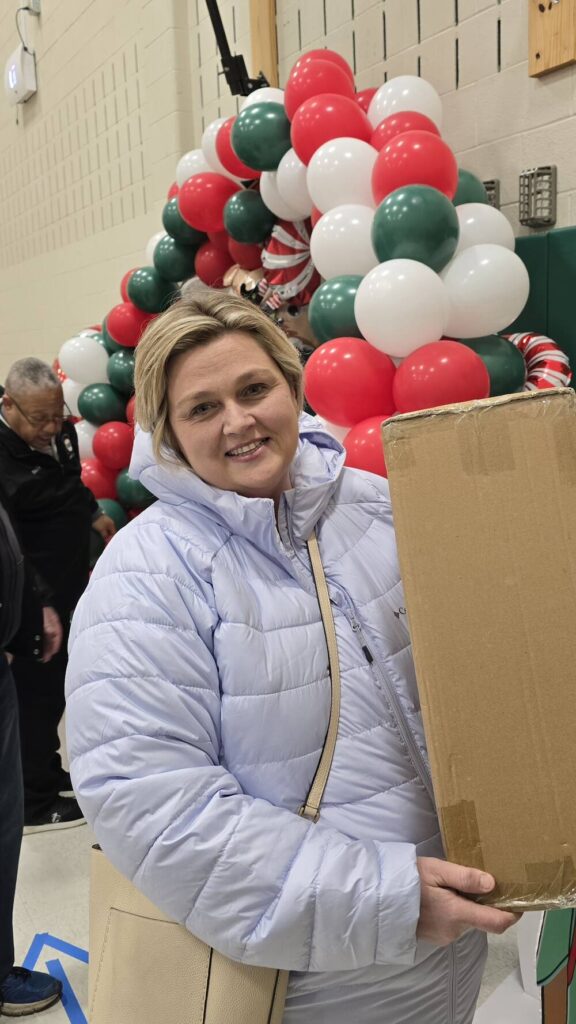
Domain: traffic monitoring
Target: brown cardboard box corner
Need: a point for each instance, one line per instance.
(484, 499)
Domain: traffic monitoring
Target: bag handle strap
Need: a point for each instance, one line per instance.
(311, 809)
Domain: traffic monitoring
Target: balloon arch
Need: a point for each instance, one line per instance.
(345, 216)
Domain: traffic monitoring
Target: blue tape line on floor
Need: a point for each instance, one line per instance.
(45, 939)
(70, 1003)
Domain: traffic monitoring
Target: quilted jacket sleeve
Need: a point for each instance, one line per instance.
(255, 881)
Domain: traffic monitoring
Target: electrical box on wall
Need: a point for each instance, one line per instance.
(20, 76)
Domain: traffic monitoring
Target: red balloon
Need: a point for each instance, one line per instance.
(112, 444)
(324, 118)
(98, 478)
(249, 257)
(442, 373)
(202, 199)
(415, 158)
(173, 190)
(314, 79)
(59, 371)
(130, 410)
(124, 284)
(126, 323)
(211, 264)
(347, 380)
(228, 157)
(365, 97)
(330, 55)
(399, 124)
(364, 448)
(219, 238)
(315, 216)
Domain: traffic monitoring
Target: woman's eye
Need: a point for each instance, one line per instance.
(199, 410)
(255, 389)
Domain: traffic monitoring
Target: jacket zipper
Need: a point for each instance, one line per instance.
(451, 984)
(409, 741)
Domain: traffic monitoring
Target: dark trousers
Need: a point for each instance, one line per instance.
(40, 689)
(11, 812)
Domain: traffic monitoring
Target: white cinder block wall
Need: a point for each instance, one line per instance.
(126, 87)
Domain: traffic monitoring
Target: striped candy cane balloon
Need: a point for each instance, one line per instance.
(547, 365)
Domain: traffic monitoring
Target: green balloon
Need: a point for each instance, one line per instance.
(331, 311)
(173, 260)
(504, 362)
(109, 344)
(470, 189)
(247, 218)
(416, 223)
(99, 403)
(148, 290)
(114, 510)
(261, 135)
(176, 226)
(120, 371)
(131, 492)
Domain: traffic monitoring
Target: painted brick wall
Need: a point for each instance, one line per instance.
(85, 169)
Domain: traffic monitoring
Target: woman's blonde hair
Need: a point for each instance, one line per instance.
(189, 323)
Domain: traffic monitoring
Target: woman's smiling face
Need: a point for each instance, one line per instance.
(234, 415)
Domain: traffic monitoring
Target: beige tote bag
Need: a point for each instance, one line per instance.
(147, 969)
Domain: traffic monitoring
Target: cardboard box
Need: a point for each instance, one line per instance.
(484, 499)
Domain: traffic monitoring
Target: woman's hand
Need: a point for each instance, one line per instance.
(445, 915)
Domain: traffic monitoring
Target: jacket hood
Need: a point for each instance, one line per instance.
(315, 472)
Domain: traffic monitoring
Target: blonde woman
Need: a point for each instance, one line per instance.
(199, 694)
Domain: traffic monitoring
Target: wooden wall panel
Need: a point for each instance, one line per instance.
(552, 35)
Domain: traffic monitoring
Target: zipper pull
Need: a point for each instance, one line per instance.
(365, 649)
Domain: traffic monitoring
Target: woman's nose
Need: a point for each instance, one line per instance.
(236, 418)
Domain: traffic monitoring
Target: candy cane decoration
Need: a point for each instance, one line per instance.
(547, 365)
(291, 275)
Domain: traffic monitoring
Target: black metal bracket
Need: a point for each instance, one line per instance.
(234, 66)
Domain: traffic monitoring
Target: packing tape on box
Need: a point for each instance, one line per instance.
(546, 885)
(487, 456)
(460, 830)
(566, 452)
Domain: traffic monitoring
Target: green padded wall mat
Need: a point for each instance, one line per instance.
(562, 290)
(534, 252)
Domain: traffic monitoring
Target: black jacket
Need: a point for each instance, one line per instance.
(21, 599)
(53, 511)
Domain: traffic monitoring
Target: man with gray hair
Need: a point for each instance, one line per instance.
(54, 513)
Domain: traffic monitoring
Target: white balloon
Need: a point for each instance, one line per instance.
(406, 92)
(341, 241)
(84, 359)
(72, 390)
(88, 333)
(291, 183)
(488, 287)
(273, 199)
(483, 225)
(400, 306)
(150, 247)
(191, 163)
(341, 172)
(266, 95)
(209, 148)
(85, 432)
